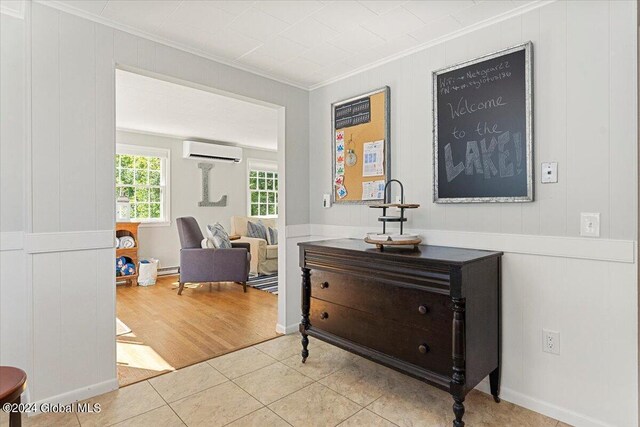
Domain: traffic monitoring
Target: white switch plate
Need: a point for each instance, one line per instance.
(549, 172)
(326, 200)
(590, 224)
(550, 341)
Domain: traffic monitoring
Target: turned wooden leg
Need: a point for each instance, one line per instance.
(244, 286)
(15, 417)
(458, 410)
(306, 304)
(494, 381)
(180, 288)
(458, 379)
(305, 343)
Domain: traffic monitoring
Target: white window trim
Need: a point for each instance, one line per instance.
(165, 156)
(263, 166)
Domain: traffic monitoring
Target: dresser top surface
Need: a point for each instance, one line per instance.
(441, 254)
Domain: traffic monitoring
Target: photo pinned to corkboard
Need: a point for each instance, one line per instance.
(361, 147)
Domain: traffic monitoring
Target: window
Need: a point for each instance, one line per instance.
(142, 175)
(263, 188)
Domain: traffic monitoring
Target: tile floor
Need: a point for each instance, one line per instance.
(266, 385)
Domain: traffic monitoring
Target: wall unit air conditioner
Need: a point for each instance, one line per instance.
(211, 152)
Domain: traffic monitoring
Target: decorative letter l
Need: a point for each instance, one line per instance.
(206, 167)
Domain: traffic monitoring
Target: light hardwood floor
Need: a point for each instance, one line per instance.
(170, 331)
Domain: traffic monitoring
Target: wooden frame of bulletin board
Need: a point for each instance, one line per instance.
(360, 134)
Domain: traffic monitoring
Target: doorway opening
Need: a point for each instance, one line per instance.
(209, 165)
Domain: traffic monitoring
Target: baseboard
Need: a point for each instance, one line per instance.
(168, 271)
(287, 329)
(79, 394)
(542, 407)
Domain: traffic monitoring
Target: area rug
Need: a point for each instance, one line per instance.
(121, 328)
(265, 283)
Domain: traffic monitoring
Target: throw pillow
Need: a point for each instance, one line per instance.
(272, 236)
(207, 243)
(219, 237)
(256, 230)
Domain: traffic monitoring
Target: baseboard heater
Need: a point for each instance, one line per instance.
(168, 271)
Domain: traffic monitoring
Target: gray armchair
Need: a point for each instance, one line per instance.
(209, 265)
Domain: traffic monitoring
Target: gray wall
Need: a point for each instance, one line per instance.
(65, 331)
(585, 118)
(14, 293)
(231, 179)
(59, 326)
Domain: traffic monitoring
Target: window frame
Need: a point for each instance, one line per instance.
(165, 180)
(260, 165)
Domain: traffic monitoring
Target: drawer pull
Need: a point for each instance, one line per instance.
(423, 348)
(324, 285)
(324, 315)
(423, 309)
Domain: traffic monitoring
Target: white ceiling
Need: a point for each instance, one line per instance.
(303, 42)
(144, 104)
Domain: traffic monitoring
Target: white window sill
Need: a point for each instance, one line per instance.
(151, 224)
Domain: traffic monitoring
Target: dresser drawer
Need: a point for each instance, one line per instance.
(429, 350)
(410, 306)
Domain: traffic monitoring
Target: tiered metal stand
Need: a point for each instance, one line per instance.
(384, 218)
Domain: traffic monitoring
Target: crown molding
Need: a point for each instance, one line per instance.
(466, 30)
(152, 37)
(126, 28)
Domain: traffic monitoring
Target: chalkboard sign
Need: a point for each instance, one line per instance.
(482, 129)
(353, 113)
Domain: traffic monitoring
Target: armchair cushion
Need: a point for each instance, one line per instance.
(207, 243)
(219, 236)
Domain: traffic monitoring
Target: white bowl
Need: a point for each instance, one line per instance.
(378, 237)
(403, 237)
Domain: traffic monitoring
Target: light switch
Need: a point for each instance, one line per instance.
(326, 200)
(549, 172)
(590, 224)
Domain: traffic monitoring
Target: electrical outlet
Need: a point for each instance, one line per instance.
(590, 224)
(549, 172)
(550, 341)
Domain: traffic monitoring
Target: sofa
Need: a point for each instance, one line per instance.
(264, 257)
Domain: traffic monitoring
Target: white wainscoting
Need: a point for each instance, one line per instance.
(584, 288)
(11, 241)
(38, 243)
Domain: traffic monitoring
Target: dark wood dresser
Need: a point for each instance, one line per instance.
(432, 312)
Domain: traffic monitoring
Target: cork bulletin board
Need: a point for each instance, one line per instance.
(361, 147)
